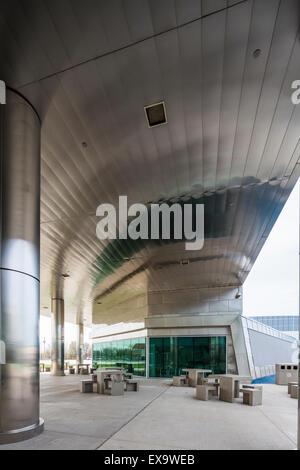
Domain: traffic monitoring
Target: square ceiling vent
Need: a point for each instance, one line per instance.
(156, 114)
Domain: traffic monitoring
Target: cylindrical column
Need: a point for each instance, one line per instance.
(58, 336)
(79, 344)
(298, 351)
(19, 269)
(298, 427)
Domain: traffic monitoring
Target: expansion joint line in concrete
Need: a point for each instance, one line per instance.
(278, 428)
(133, 417)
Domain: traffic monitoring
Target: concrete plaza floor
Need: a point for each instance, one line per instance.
(159, 417)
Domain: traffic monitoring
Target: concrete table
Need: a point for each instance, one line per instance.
(196, 376)
(230, 385)
(82, 366)
(104, 374)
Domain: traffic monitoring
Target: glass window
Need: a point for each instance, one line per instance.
(168, 356)
(129, 354)
(156, 357)
(185, 354)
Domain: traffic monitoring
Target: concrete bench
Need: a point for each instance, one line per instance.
(127, 376)
(180, 381)
(294, 391)
(131, 385)
(204, 392)
(289, 386)
(113, 388)
(213, 383)
(252, 386)
(251, 396)
(86, 386)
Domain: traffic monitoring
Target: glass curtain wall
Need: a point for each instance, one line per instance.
(130, 354)
(168, 356)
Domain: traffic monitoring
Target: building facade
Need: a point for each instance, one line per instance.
(287, 323)
(169, 339)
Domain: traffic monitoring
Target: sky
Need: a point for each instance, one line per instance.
(272, 287)
(71, 331)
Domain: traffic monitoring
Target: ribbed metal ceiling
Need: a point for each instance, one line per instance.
(232, 138)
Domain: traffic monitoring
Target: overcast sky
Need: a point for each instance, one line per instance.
(272, 287)
(71, 332)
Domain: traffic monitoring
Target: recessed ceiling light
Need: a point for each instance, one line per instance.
(156, 114)
(256, 53)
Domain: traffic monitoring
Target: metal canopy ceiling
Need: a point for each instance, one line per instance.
(232, 138)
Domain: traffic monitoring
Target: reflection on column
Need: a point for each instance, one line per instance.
(19, 270)
(79, 355)
(58, 337)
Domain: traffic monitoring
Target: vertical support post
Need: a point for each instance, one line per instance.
(80, 343)
(58, 337)
(19, 269)
(298, 428)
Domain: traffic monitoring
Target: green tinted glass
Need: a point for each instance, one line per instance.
(130, 354)
(168, 356)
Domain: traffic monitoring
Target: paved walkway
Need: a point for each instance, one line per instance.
(159, 417)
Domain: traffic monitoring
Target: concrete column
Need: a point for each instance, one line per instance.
(79, 344)
(19, 269)
(58, 336)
